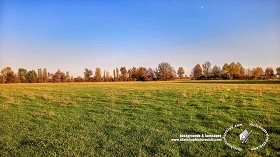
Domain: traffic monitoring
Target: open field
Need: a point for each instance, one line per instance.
(134, 118)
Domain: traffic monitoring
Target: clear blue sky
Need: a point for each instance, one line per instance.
(74, 35)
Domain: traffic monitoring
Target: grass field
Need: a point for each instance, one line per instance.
(134, 118)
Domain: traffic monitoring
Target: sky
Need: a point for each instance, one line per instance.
(73, 35)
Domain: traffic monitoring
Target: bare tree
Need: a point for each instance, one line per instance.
(206, 69)
(58, 77)
(181, 72)
(216, 72)
(278, 70)
(107, 76)
(150, 75)
(248, 73)
(165, 71)
(269, 72)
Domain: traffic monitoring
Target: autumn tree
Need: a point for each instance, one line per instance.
(87, 74)
(236, 70)
(114, 74)
(97, 75)
(8, 75)
(58, 77)
(150, 75)
(45, 75)
(165, 71)
(241, 70)
(226, 72)
(67, 77)
(50, 75)
(31, 76)
(197, 71)
(206, 69)
(257, 72)
(21, 75)
(181, 72)
(269, 72)
(40, 76)
(248, 73)
(278, 71)
(117, 74)
(1, 79)
(104, 76)
(107, 76)
(79, 79)
(133, 73)
(216, 72)
(124, 74)
(141, 73)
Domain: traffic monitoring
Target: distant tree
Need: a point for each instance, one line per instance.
(165, 71)
(206, 69)
(241, 70)
(87, 74)
(8, 75)
(67, 77)
(40, 76)
(21, 75)
(97, 76)
(216, 72)
(45, 75)
(141, 73)
(50, 76)
(181, 72)
(197, 71)
(31, 76)
(257, 72)
(1, 79)
(278, 71)
(269, 72)
(114, 75)
(104, 76)
(58, 77)
(248, 74)
(133, 73)
(236, 70)
(78, 79)
(124, 74)
(226, 72)
(107, 76)
(72, 79)
(150, 75)
(117, 74)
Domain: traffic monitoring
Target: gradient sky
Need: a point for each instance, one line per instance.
(74, 35)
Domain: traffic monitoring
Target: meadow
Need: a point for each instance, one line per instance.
(134, 118)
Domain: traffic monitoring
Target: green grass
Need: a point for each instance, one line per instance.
(133, 118)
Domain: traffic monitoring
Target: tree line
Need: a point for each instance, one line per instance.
(163, 72)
